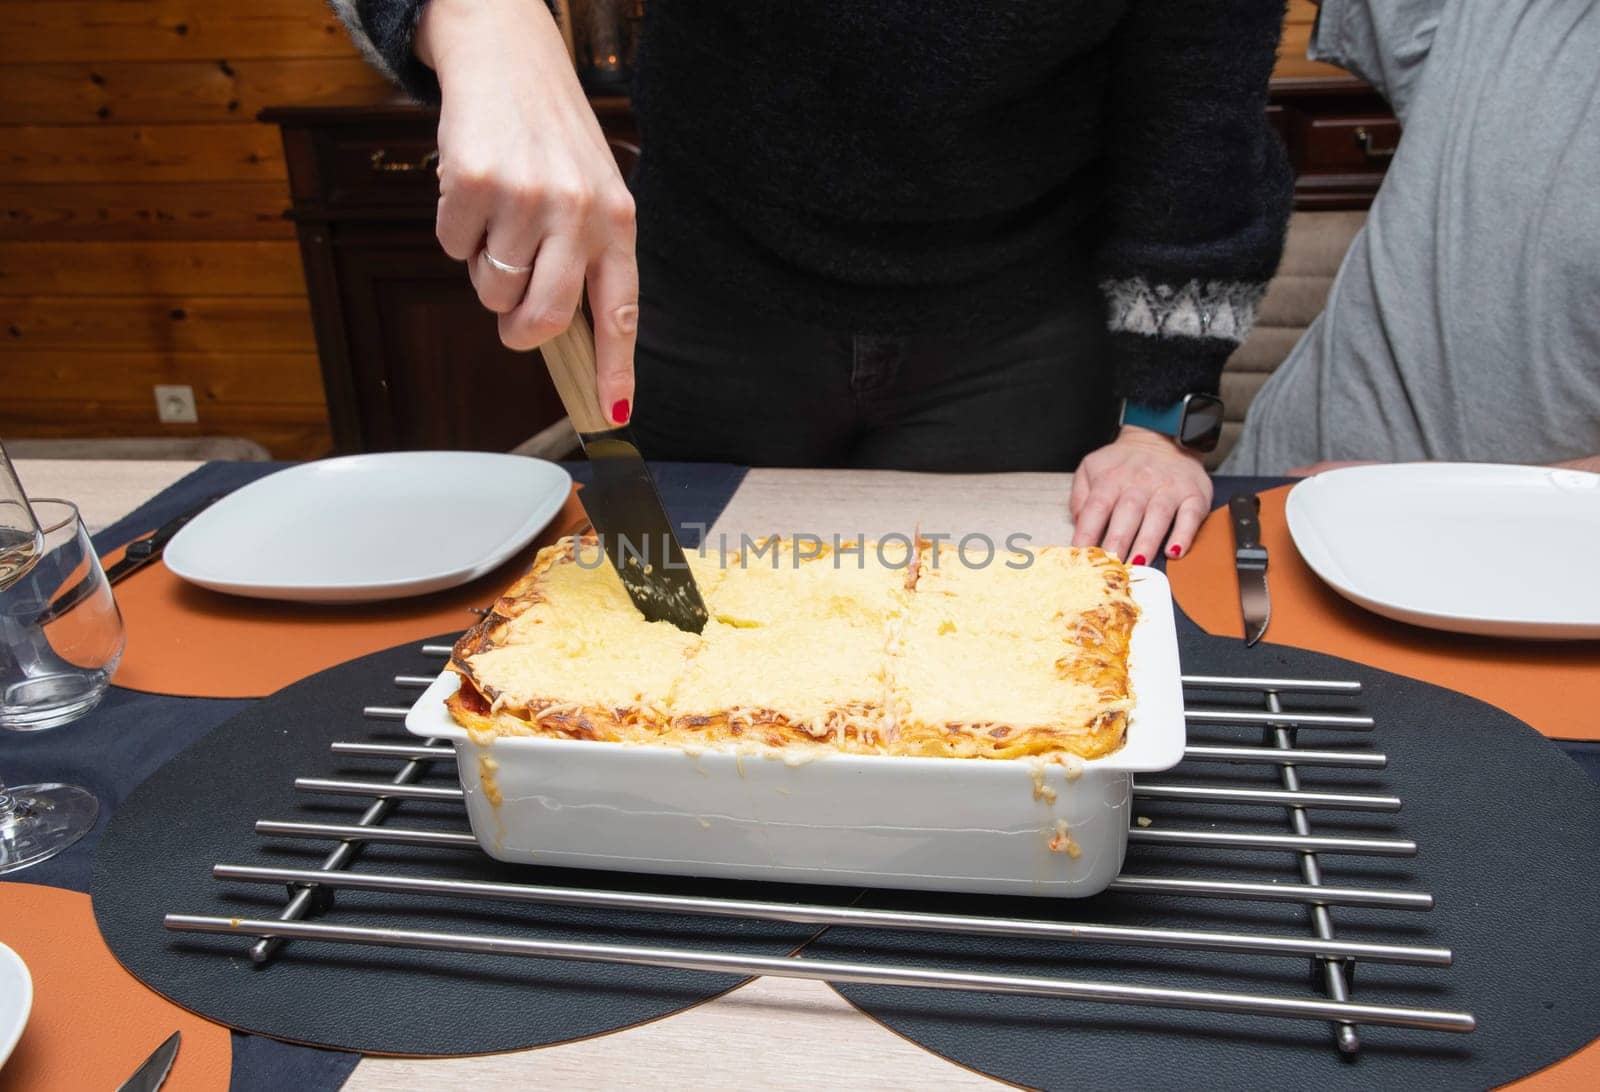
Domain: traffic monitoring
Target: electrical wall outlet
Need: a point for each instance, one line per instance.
(175, 405)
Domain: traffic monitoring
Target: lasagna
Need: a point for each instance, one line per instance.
(889, 648)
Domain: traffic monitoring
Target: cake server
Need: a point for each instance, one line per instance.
(622, 501)
(1250, 564)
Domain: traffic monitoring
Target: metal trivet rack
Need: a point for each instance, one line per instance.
(1333, 960)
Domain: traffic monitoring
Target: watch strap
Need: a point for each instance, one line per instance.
(1167, 420)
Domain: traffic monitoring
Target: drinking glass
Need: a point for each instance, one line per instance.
(60, 631)
(60, 639)
(20, 540)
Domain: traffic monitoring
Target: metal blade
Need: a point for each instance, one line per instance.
(1250, 564)
(150, 1076)
(636, 534)
(1254, 603)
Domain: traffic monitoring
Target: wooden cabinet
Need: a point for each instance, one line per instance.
(409, 358)
(1340, 135)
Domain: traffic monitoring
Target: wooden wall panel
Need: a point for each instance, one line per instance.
(1292, 61)
(86, 92)
(142, 236)
(149, 269)
(292, 378)
(149, 153)
(220, 324)
(170, 30)
(110, 211)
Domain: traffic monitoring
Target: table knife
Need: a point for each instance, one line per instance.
(143, 551)
(1250, 565)
(621, 500)
(153, 1073)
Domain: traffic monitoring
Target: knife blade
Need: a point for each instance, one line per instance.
(1250, 565)
(621, 500)
(153, 1072)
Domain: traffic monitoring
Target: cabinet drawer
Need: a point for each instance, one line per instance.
(1350, 143)
(386, 167)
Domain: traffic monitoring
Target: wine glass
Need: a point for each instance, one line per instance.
(36, 821)
(20, 540)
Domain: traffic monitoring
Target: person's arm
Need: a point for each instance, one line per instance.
(1198, 197)
(525, 174)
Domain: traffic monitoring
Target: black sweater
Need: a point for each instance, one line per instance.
(880, 166)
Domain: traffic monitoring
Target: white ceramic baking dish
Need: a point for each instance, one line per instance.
(969, 825)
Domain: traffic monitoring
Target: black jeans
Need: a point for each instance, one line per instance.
(721, 382)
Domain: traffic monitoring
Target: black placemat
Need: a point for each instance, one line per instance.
(1508, 829)
(199, 809)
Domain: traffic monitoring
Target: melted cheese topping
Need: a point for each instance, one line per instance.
(1041, 599)
(800, 638)
(604, 661)
(851, 653)
(971, 677)
(758, 669)
(578, 636)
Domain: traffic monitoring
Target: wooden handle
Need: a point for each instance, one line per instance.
(570, 357)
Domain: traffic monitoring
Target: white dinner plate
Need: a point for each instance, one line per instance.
(1471, 547)
(367, 527)
(16, 1000)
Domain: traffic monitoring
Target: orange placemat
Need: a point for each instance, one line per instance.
(1576, 1071)
(93, 1023)
(1554, 686)
(192, 642)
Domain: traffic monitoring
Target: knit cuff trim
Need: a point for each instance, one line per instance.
(1223, 310)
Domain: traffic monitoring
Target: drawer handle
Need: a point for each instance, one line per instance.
(1364, 138)
(380, 162)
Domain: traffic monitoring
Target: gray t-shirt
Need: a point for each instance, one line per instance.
(1464, 323)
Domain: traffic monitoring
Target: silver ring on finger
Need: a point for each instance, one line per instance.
(506, 267)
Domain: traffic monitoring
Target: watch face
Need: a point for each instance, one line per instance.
(1201, 426)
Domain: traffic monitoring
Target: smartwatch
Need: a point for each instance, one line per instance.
(1194, 421)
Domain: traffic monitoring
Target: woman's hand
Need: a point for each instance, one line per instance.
(525, 175)
(1126, 495)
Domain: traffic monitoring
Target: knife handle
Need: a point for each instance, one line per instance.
(570, 358)
(151, 544)
(1245, 511)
